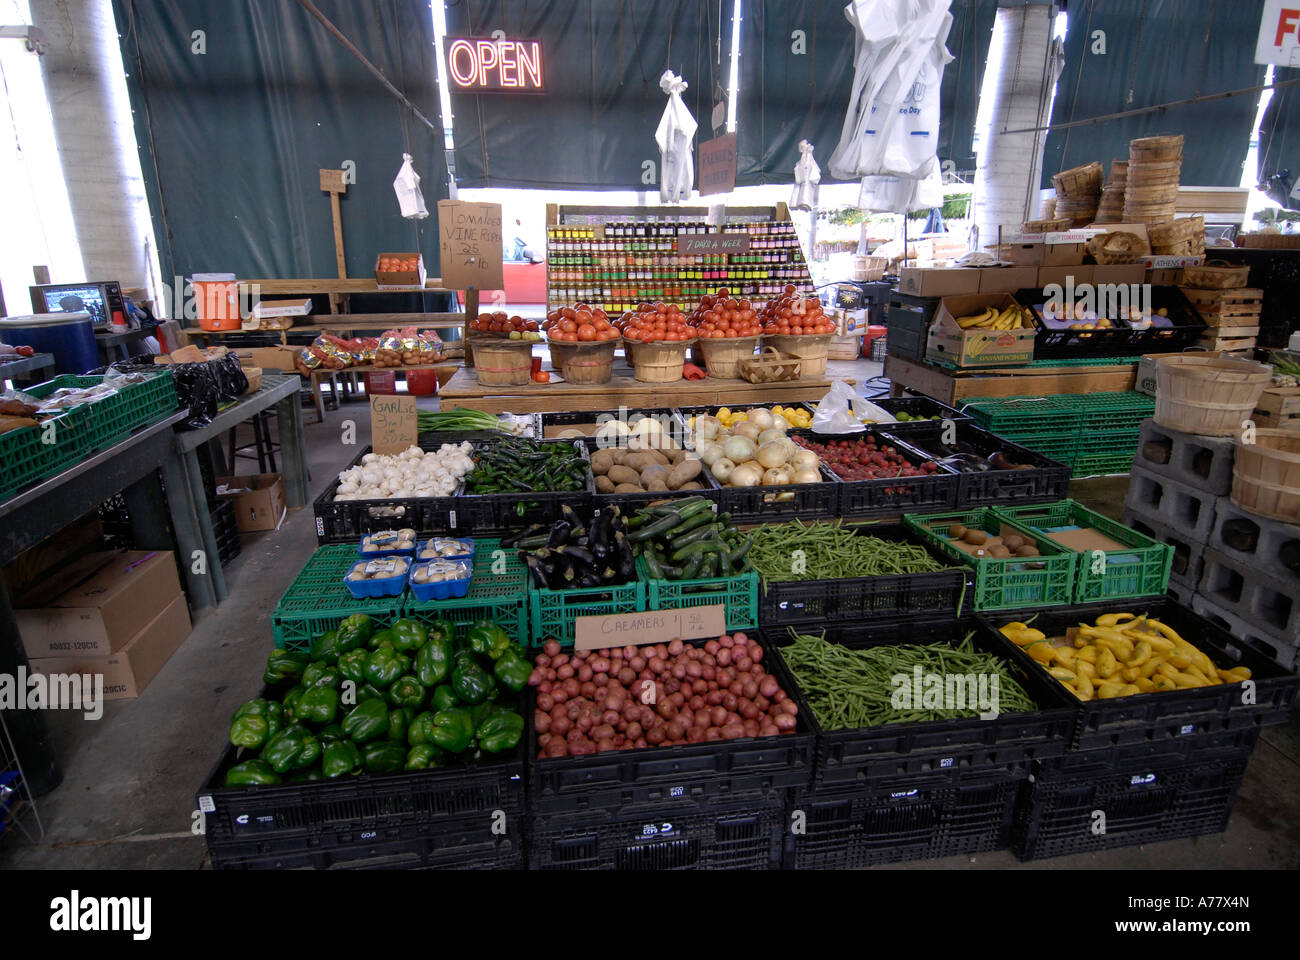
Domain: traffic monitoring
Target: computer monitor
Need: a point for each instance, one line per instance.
(103, 301)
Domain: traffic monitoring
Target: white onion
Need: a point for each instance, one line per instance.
(776, 477)
(706, 428)
(807, 476)
(771, 455)
(711, 453)
(722, 469)
(760, 418)
(746, 428)
(804, 460)
(745, 476)
(739, 448)
(770, 434)
(779, 422)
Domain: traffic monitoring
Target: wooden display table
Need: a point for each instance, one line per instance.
(624, 390)
(445, 375)
(955, 386)
(346, 324)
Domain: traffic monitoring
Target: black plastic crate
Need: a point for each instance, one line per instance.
(1007, 742)
(226, 530)
(1045, 480)
(349, 520)
(289, 819)
(795, 501)
(1201, 741)
(865, 499)
(473, 847)
(917, 407)
(922, 818)
(907, 327)
(498, 514)
(741, 833)
(810, 602)
(1185, 326)
(709, 770)
(592, 418)
(434, 439)
(1144, 801)
(1103, 723)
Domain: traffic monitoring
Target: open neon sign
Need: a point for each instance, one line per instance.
(501, 66)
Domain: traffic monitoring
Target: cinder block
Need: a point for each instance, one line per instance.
(1152, 496)
(1186, 569)
(1181, 592)
(1204, 463)
(1270, 545)
(1253, 595)
(1285, 655)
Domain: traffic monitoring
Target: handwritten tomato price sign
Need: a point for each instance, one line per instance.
(393, 424)
(651, 626)
(469, 237)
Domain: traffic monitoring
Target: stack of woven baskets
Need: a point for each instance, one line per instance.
(1111, 208)
(1151, 179)
(1178, 238)
(1078, 193)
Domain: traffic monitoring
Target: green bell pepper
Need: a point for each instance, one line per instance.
(383, 756)
(290, 703)
(331, 734)
(399, 720)
(421, 729)
(481, 711)
(256, 722)
(326, 647)
(352, 666)
(342, 758)
(320, 674)
(407, 692)
(368, 692)
(353, 632)
(384, 666)
(487, 639)
(293, 748)
(453, 729)
(422, 756)
(307, 776)
(251, 773)
(442, 630)
(433, 661)
(409, 635)
(470, 682)
(513, 670)
(284, 667)
(500, 732)
(444, 697)
(318, 705)
(367, 721)
(380, 638)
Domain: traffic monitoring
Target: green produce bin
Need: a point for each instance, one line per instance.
(554, 612)
(318, 600)
(739, 594)
(498, 592)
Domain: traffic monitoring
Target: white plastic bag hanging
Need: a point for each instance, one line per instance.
(807, 179)
(892, 123)
(675, 134)
(407, 187)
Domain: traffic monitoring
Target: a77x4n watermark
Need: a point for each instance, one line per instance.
(53, 691)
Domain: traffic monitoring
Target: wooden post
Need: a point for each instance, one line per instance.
(332, 182)
(471, 314)
(42, 275)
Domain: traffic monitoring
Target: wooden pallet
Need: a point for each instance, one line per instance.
(1224, 308)
(952, 387)
(1236, 344)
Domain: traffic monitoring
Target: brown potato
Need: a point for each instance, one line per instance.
(604, 485)
(684, 473)
(621, 475)
(655, 474)
(629, 488)
(1013, 541)
(601, 461)
(692, 485)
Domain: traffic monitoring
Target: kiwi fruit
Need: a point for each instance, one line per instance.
(1000, 552)
(977, 537)
(1026, 550)
(1013, 541)
(957, 531)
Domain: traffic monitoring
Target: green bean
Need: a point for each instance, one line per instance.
(851, 689)
(830, 551)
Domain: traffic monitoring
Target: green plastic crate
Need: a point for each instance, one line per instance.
(738, 594)
(117, 416)
(1111, 411)
(1061, 448)
(501, 597)
(1013, 417)
(25, 459)
(1004, 584)
(1106, 452)
(553, 612)
(1083, 362)
(318, 600)
(1139, 570)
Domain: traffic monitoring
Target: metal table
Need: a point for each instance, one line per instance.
(280, 392)
(108, 341)
(131, 467)
(16, 368)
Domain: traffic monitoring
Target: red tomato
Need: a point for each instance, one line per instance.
(542, 377)
(586, 332)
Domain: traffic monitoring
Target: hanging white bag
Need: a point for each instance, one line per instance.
(807, 179)
(675, 134)
(407, 187)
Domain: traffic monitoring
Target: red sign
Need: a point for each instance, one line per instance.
(485, 65)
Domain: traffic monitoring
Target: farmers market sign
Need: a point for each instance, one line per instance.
(487, 65)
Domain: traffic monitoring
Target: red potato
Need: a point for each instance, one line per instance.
(551, 648)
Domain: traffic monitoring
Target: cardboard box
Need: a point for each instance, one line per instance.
(1082, 273)
(399, 279)
(1007, 279)
(1063, 254)
(938, 281)
(1146, 371)
(259, 501)
(1119, 273)
(128, 671)
(112, 597)
(281, 308)
(976, 347)
(269, 358)
(1168, 277)
(850, 323)
(1022, 254)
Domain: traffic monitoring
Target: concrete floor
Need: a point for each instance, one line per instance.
(130, 778)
